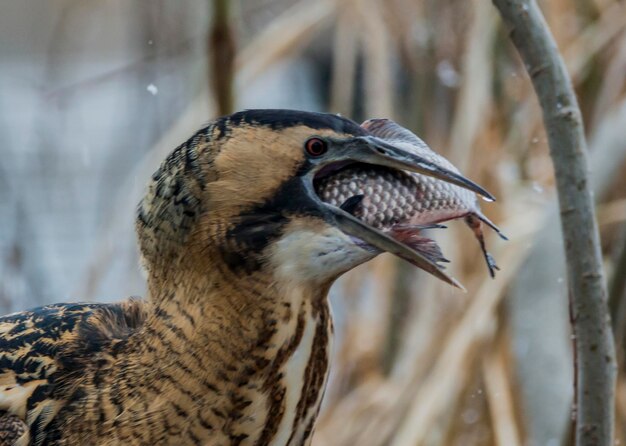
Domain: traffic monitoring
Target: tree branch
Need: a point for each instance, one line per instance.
(595, 351)
(617, 296)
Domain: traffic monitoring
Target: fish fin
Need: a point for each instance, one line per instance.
(351, 205)
(429, 249)
(394, 133)
(425, 246)
(387, 129)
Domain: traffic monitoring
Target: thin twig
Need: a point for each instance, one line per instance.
(595, 367)
(499, 396)
(222, 58)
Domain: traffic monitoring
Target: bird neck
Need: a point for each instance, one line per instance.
(246, 355)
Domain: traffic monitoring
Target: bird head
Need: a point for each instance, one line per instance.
(245, 192)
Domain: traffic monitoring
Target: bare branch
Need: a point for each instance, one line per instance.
(617, 296)
(595, 351)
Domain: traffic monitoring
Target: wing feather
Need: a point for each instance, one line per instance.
(40, 347)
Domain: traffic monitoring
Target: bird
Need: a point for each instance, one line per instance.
(231, 345)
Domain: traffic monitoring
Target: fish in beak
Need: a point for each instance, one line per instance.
(385, 188)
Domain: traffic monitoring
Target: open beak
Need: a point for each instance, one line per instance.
(374, 151)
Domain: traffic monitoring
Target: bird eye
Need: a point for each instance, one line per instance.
(316, 146)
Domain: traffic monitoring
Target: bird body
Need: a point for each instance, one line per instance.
(232, 344)
(128, 374)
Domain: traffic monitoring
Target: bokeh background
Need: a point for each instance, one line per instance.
(93, 95)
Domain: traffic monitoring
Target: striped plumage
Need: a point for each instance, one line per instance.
(232, 344)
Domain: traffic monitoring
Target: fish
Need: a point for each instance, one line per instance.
(403, 204)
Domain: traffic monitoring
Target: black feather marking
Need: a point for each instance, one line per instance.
(39, 394)
(277, 119)
(258, 227)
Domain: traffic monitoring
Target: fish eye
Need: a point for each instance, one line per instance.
(316, 146)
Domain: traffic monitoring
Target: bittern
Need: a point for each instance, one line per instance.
(242, 232)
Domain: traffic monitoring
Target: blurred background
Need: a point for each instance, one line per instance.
(93, 95)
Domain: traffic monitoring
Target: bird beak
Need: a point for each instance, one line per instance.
(378, 239)
(372, 150)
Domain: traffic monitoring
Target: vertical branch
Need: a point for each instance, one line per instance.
(222, 49)
(344, 60)
(595, 352)
(617, 298)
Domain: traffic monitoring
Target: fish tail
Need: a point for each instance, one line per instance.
(474, 222)
(491, 224)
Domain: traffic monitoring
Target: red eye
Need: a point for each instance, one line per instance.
(316, 147)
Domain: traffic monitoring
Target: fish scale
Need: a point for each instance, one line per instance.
(393, 197)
